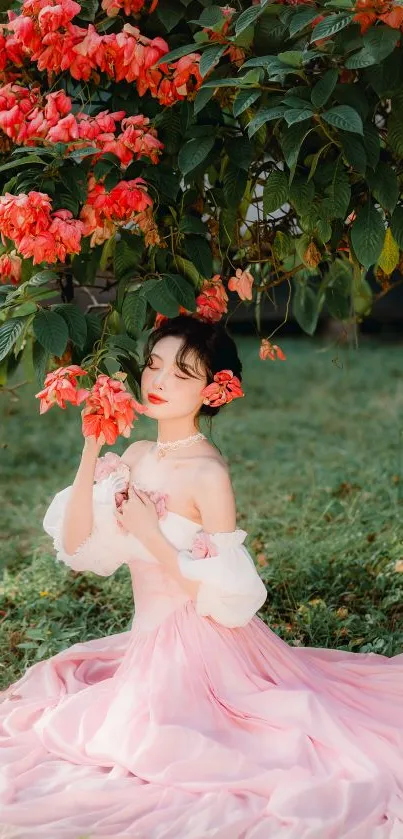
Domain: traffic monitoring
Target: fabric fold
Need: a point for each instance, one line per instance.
(231, 590)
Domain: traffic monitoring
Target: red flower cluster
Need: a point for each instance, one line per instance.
(28, 118)
(369, 11)
(129, 7)
(211, 303)
(10, 268)
(37, 232)
(109, 411)
(61, 387)
(236, 54)
(104, 211)
(45, 34)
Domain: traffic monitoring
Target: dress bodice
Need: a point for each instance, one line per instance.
(230, 588)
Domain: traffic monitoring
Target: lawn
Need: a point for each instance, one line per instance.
(316, 455)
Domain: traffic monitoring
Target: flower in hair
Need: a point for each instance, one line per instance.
(224, 388)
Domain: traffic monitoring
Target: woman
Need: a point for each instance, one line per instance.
(200, 721)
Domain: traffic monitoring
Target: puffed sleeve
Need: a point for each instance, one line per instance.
(231, 590)
(108, 546)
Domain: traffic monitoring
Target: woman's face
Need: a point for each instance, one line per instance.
(162, 377)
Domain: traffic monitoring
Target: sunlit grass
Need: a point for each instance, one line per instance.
(315, 451)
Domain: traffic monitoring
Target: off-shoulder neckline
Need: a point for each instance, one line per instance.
(196, 524)
(179, 516)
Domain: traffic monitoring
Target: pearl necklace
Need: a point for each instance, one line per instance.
(163, 448)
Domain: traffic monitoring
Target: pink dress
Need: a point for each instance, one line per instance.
(199, 721)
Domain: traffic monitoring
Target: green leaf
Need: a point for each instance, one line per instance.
(247, 17)
(324, 88)
(235, 181)
(202, 98)
(170, 14)
(10, 331)
(354, 151)
(187, 269)
(330, 25)
(301, 195)
(199, 252)
(362, 296)
(372, 145)
(42, 277)
(244, 99)
(160, 297)
(76, 322)
(389, 258)
(40, 360)
(89, 9)
(297, 115)
(396, 224)
(210, 18)
(367, 235)
(384, 186)
(240, 151)
(51, 331)
(193, 153)
(293, 58)
(265, 115)
(192, 224)
(85, 264)
(344, 117)
(338, 193)
(275, 192)
(300, 20)
(379, 42)
(134, 308)
(128, 254)
(181, 291)
(306, 307)
(338, 289)
(174, 55)
(292, 138)
(395, 127)
(27, 161)
(210, 57)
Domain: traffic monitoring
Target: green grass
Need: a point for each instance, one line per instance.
(315, 451)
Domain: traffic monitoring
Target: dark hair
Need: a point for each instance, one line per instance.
(212, 345)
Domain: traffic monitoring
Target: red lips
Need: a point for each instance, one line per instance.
(152, 397)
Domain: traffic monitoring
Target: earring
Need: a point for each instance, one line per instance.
(206, 401)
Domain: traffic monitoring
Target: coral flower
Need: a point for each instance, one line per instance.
(269, 350)
(61, 387)
(110, 410)
(242, 283)
(224, 388)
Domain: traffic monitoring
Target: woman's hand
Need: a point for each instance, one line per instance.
(138, 515)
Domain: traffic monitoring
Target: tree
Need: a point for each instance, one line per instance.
(189, 149)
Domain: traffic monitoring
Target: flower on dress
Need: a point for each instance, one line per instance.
(108, 464)
(203, 546)
(157, 497)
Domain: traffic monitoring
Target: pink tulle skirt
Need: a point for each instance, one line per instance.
(195, 730)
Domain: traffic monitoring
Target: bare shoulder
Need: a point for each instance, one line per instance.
(212, 467)
(214, 494)
(136, 450)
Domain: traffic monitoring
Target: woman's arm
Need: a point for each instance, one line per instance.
(78, 518)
